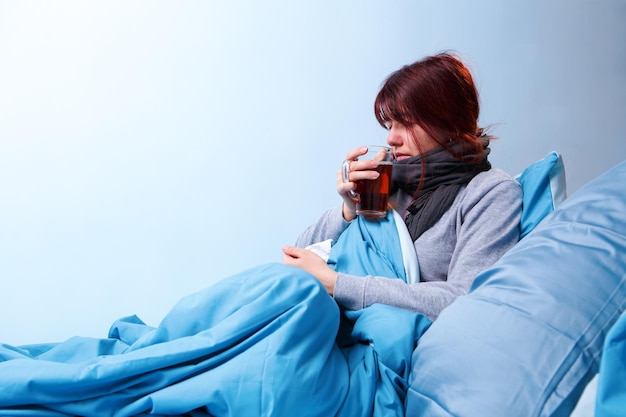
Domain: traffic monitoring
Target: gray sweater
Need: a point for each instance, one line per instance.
(480, 226)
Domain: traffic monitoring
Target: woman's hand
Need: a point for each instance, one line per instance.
(357, 170)
(311, 263)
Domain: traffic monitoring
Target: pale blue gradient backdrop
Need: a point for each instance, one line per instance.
(150, 148)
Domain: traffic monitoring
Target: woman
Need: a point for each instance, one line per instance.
(462, 214)
(271, 332)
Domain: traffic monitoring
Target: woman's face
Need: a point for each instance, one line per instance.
(409, 141)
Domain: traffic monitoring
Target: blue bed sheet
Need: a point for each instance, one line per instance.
(262, 342)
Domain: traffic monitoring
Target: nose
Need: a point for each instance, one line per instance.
(394, 139)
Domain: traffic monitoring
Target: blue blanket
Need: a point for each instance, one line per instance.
(262, 342)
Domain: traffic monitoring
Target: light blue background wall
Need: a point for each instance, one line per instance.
(149, 148)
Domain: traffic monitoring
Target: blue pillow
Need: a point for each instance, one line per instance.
(544, 188)
(528, 337)
(611, 395)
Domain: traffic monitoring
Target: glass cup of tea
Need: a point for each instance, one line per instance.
(372, 196)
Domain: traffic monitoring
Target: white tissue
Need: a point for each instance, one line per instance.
(321, 249)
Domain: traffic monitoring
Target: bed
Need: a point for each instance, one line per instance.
(533, 331)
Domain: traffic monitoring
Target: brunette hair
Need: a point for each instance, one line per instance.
(438, 94)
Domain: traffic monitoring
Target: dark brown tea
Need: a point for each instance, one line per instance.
(374, 194)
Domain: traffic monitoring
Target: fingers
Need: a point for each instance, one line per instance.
(352, 162)
(311, 263)
(288, 260)
(352, 171)
(290, 257)
(301, 258)
(355, 153)
(344, 189)
(356, 170)
(292, 251)
(363, 170)
(342, 186)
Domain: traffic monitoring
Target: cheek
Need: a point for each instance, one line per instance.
(429, 145)
(425, 144)
(413, 149)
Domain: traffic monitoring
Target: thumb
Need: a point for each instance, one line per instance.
(291, 251)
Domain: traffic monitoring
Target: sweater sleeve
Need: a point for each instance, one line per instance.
(329, 226)
(481, 230)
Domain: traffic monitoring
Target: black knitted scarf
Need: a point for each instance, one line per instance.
(445, 175)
